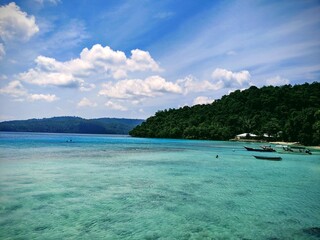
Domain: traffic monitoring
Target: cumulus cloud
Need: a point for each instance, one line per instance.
(95, 63)
(16, 24)
(192, 84)
(202, 100)
(44, 97)
(136, 88)
(227, 79)
(221, 78)
(115, 106)
(141, 61)
(276, 81)
(85, 102)
(115, 63)
(16, 90)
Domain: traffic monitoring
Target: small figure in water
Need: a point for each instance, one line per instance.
(217, 156)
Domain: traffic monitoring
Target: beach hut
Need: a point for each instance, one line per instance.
(245, 135)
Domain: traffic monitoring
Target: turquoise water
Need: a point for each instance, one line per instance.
(117, 187)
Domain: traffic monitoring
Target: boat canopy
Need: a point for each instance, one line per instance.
(244, 135)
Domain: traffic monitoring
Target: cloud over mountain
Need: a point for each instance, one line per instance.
(16, 90)
(139, 88)
(227, 79)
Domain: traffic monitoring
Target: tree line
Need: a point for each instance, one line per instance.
(287, 113)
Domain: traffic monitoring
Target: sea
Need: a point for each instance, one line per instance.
(70, 186)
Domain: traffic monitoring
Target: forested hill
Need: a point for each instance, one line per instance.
(289, 113)
(72, 125)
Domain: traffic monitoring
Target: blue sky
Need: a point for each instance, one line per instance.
(131, 58)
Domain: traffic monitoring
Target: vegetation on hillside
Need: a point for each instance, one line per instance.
(72, 125)
(288, 113)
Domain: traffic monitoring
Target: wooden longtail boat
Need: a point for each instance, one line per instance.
(272, 158)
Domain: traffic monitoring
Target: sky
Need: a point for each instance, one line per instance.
(132, 58)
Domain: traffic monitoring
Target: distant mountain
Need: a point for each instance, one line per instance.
(72, 125)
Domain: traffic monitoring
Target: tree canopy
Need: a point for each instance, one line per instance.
(288, 113)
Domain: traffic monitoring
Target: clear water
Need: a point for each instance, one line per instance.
(117, 187)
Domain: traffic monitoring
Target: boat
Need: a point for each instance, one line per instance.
(272, 158)
(262, 149)
(294, 149)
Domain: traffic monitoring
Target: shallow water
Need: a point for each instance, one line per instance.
(118, 187)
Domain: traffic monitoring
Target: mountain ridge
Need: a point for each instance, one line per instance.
(72, 124)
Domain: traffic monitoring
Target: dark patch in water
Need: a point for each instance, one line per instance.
(40, 228)
(230, 205)
(210, 181)
(27, 182)
(176, 174)
(293, 221)
(107, 219)
(40, 207)
(65, 215)
(6, 222)
(89, 225)
(313, 231)
(43, 196)
(14, 207)
(243, 193)
(152, 236)
(156, 196)
(171, 208)
(281, 213)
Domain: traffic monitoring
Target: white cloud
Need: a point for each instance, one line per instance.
(202, 100)
(221, 78)
(227, 79)
(141, 61)
(2, 51)
(191, 84)
(15, 24)
(115, 106)
(95, 63)
(44, 97)
(16, 90)
(115, 63)
(137, 88)
(85, 87)
(43, 78)
(275, 81)
(85, 102)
